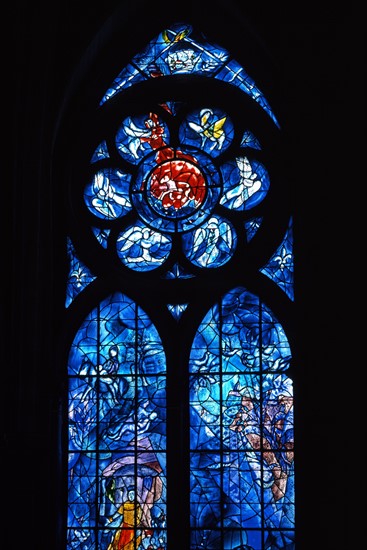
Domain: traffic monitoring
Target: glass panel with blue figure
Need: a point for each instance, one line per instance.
(212, 244)
(141, 248)
(241, 428)
(107, 194)
(117, 429)
(208, 129)
(246, 183)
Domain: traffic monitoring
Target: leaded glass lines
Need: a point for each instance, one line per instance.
(174, 201)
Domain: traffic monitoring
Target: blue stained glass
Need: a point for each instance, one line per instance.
(204, 355)
(280, 267)
(239, 397)
(208, 129)
(167, 54)
(251, 337)
(249, 140)
(141, 248)
(251, 227)
(173, 51)
(282, 539)
(177, 272)
(128, 76)
(101, 235)
(79, 538)
(211, 539)
(236, 75)
(79, 277)
(205, 430)
(107, 195)
(101, 152)
(212, 244)
(246, 540)
(246, 183)
(188, 55)
(82, 494)
(177, 309)
(177, 51)
(250, 329)
(117, 421)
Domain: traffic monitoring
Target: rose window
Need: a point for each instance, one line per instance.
(178, 383)
(174, 182)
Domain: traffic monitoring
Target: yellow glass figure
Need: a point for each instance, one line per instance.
(131, 513)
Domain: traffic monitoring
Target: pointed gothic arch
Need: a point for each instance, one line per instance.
(145, 285)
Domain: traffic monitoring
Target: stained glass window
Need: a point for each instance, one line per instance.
(180, 387)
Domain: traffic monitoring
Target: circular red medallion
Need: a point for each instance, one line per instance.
(177, 183)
